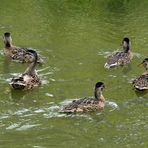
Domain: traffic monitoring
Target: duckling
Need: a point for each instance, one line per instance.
(29, 78)
(141, 83)
(88, 104)
(120, 58)
(16, 53)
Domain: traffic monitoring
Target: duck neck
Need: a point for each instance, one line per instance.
(147, 70)
(7, 44)
(98, 93)
(31, 68)
(126, 48)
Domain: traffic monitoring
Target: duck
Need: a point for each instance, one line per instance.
(96, 103)
(141, 82)
(29, 79)
(120, 58)
(17, 53)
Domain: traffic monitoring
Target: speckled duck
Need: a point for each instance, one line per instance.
(29, 78)
(120, 58)
(88, 104)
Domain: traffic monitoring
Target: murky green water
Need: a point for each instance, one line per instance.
(74, 37)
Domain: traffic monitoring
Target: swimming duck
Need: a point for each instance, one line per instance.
(16, 53)
(120, 58)
(29, 78)
(141, 83)
(88, 104)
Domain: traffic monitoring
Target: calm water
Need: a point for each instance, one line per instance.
(74, 37)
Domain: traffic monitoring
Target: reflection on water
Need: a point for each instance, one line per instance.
(74, 38)
(141, 93)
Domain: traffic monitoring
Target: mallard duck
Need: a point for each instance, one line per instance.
(87, 104)
(120, 58)
(141, 83)
(29, 78)
(16, 53)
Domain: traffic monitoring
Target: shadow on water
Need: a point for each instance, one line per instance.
(17, 95)
(140, 93)
(24, 95)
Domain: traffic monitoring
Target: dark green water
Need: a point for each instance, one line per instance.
(74, 37)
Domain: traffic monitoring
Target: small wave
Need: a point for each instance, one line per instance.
(27, 126)
(5, 77)
(49, 94)
(4, 117)
(22, 111)
(113, 76)
(106, 53)
(44, 82)
(36, 146)
(1, 52)
(13, 126)
(39, 111)
(54, 112)
(138, 55)
(49, 69)
(111, 104)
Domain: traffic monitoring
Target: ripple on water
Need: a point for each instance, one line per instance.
(138, 55)
(113, 105)
(5, 78)
(48, 70)
(38, 146)
(22, 111)
(1, 52)
(49, 94)
(27, 126)
(4, 117)
(13, 126)
(105, 53)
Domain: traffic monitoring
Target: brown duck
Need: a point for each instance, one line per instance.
(88, 104)
(120, 58)
(141, 82)
(17, 53)
(29, 78)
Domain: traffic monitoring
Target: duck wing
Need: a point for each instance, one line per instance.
(125, 58)
(18, 53)
(118, 58)
(82, 105)
(113, 59)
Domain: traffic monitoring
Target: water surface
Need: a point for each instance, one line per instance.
(74, 37)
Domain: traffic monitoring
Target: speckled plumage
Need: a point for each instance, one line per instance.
(141, 82)
(120, 58)
(87, 104)
(17, 53)
(29, 78)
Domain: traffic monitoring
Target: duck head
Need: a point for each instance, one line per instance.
(99, 87)
(33, 63)
(30, 53)
(7, 39)
(145, 63)
(126, 44)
